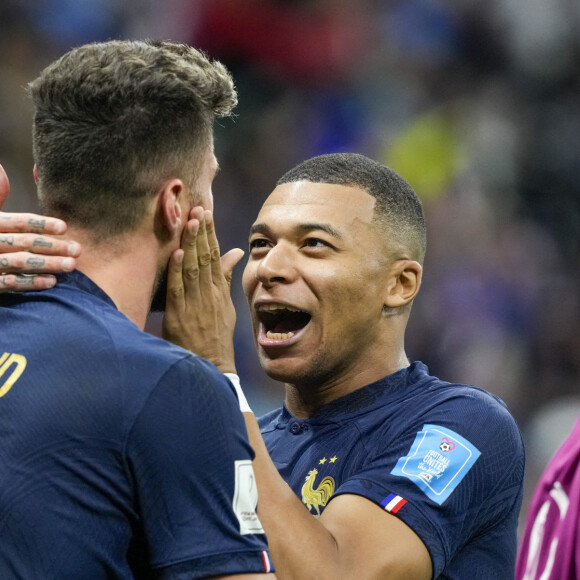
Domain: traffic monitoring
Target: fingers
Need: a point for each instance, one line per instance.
(197, 265)
(26, 263)
(200, 315)
(214, 247)
(221, 269)
(197, 259)
(25, 254)
(11, 242)
(25, 222)
(32, 254)
(29, 222)
(177, 268)
(175, 289)
(15, 283)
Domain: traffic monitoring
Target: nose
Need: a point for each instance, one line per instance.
(276, 267)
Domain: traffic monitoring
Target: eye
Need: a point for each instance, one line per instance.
(259, 244)
(316, 243)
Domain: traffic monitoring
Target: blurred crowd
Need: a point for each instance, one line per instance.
(476, 104)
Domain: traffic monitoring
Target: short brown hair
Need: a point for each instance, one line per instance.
(114, 119)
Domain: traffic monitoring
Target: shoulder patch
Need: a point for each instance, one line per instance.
(246, 498)
(437, 461)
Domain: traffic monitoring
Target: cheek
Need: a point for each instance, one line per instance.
(358, 302)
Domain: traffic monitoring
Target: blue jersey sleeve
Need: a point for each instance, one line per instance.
(189, 458)
(452, 474)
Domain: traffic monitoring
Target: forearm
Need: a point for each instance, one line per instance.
(300, 545)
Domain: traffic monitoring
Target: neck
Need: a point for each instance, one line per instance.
(125, 268)
(306, 397)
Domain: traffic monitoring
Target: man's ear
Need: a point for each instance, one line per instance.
(170, 211)
(404, 283)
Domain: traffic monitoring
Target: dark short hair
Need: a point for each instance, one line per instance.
(113, 120)
(397, 205)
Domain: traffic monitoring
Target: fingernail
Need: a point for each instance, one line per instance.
(59, 228)
(48, 282)
(73, 249)
(68, 263)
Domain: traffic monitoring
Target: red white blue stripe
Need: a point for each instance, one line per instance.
(393, 503)
(267, 562)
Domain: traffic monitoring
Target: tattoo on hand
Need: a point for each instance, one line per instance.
(35, 262)
(38, 224)
(19, 280)
(23, 280)
(4, 262)
(7, 240)
(42, 243)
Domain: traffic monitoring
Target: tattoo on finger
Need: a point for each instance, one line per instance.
(7, 240)
(23, 280)
(35, 262)
(38, 224)
(42, 243)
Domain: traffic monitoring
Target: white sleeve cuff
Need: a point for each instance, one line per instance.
(235, 380)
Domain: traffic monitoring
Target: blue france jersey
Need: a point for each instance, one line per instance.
(446, 459)
(121, 455)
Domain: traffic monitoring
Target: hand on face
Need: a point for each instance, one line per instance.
(200, 315)
(29, 249)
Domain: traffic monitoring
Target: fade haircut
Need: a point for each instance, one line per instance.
(113, 120)
(397, 206)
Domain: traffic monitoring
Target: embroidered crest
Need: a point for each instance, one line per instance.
(317, 496)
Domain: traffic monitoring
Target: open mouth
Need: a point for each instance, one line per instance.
(281, 322)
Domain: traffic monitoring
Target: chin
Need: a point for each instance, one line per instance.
(287, 370)
(276, 369)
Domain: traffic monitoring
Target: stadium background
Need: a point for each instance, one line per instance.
(476, 103)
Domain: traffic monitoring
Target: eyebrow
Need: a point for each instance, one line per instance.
(302, 228)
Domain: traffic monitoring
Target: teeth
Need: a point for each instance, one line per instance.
(271, 307)
(278, 335)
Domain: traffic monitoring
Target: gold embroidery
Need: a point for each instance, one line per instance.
(6, 361)
(317, 496)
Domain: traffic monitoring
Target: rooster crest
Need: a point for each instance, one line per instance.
(317, 496)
